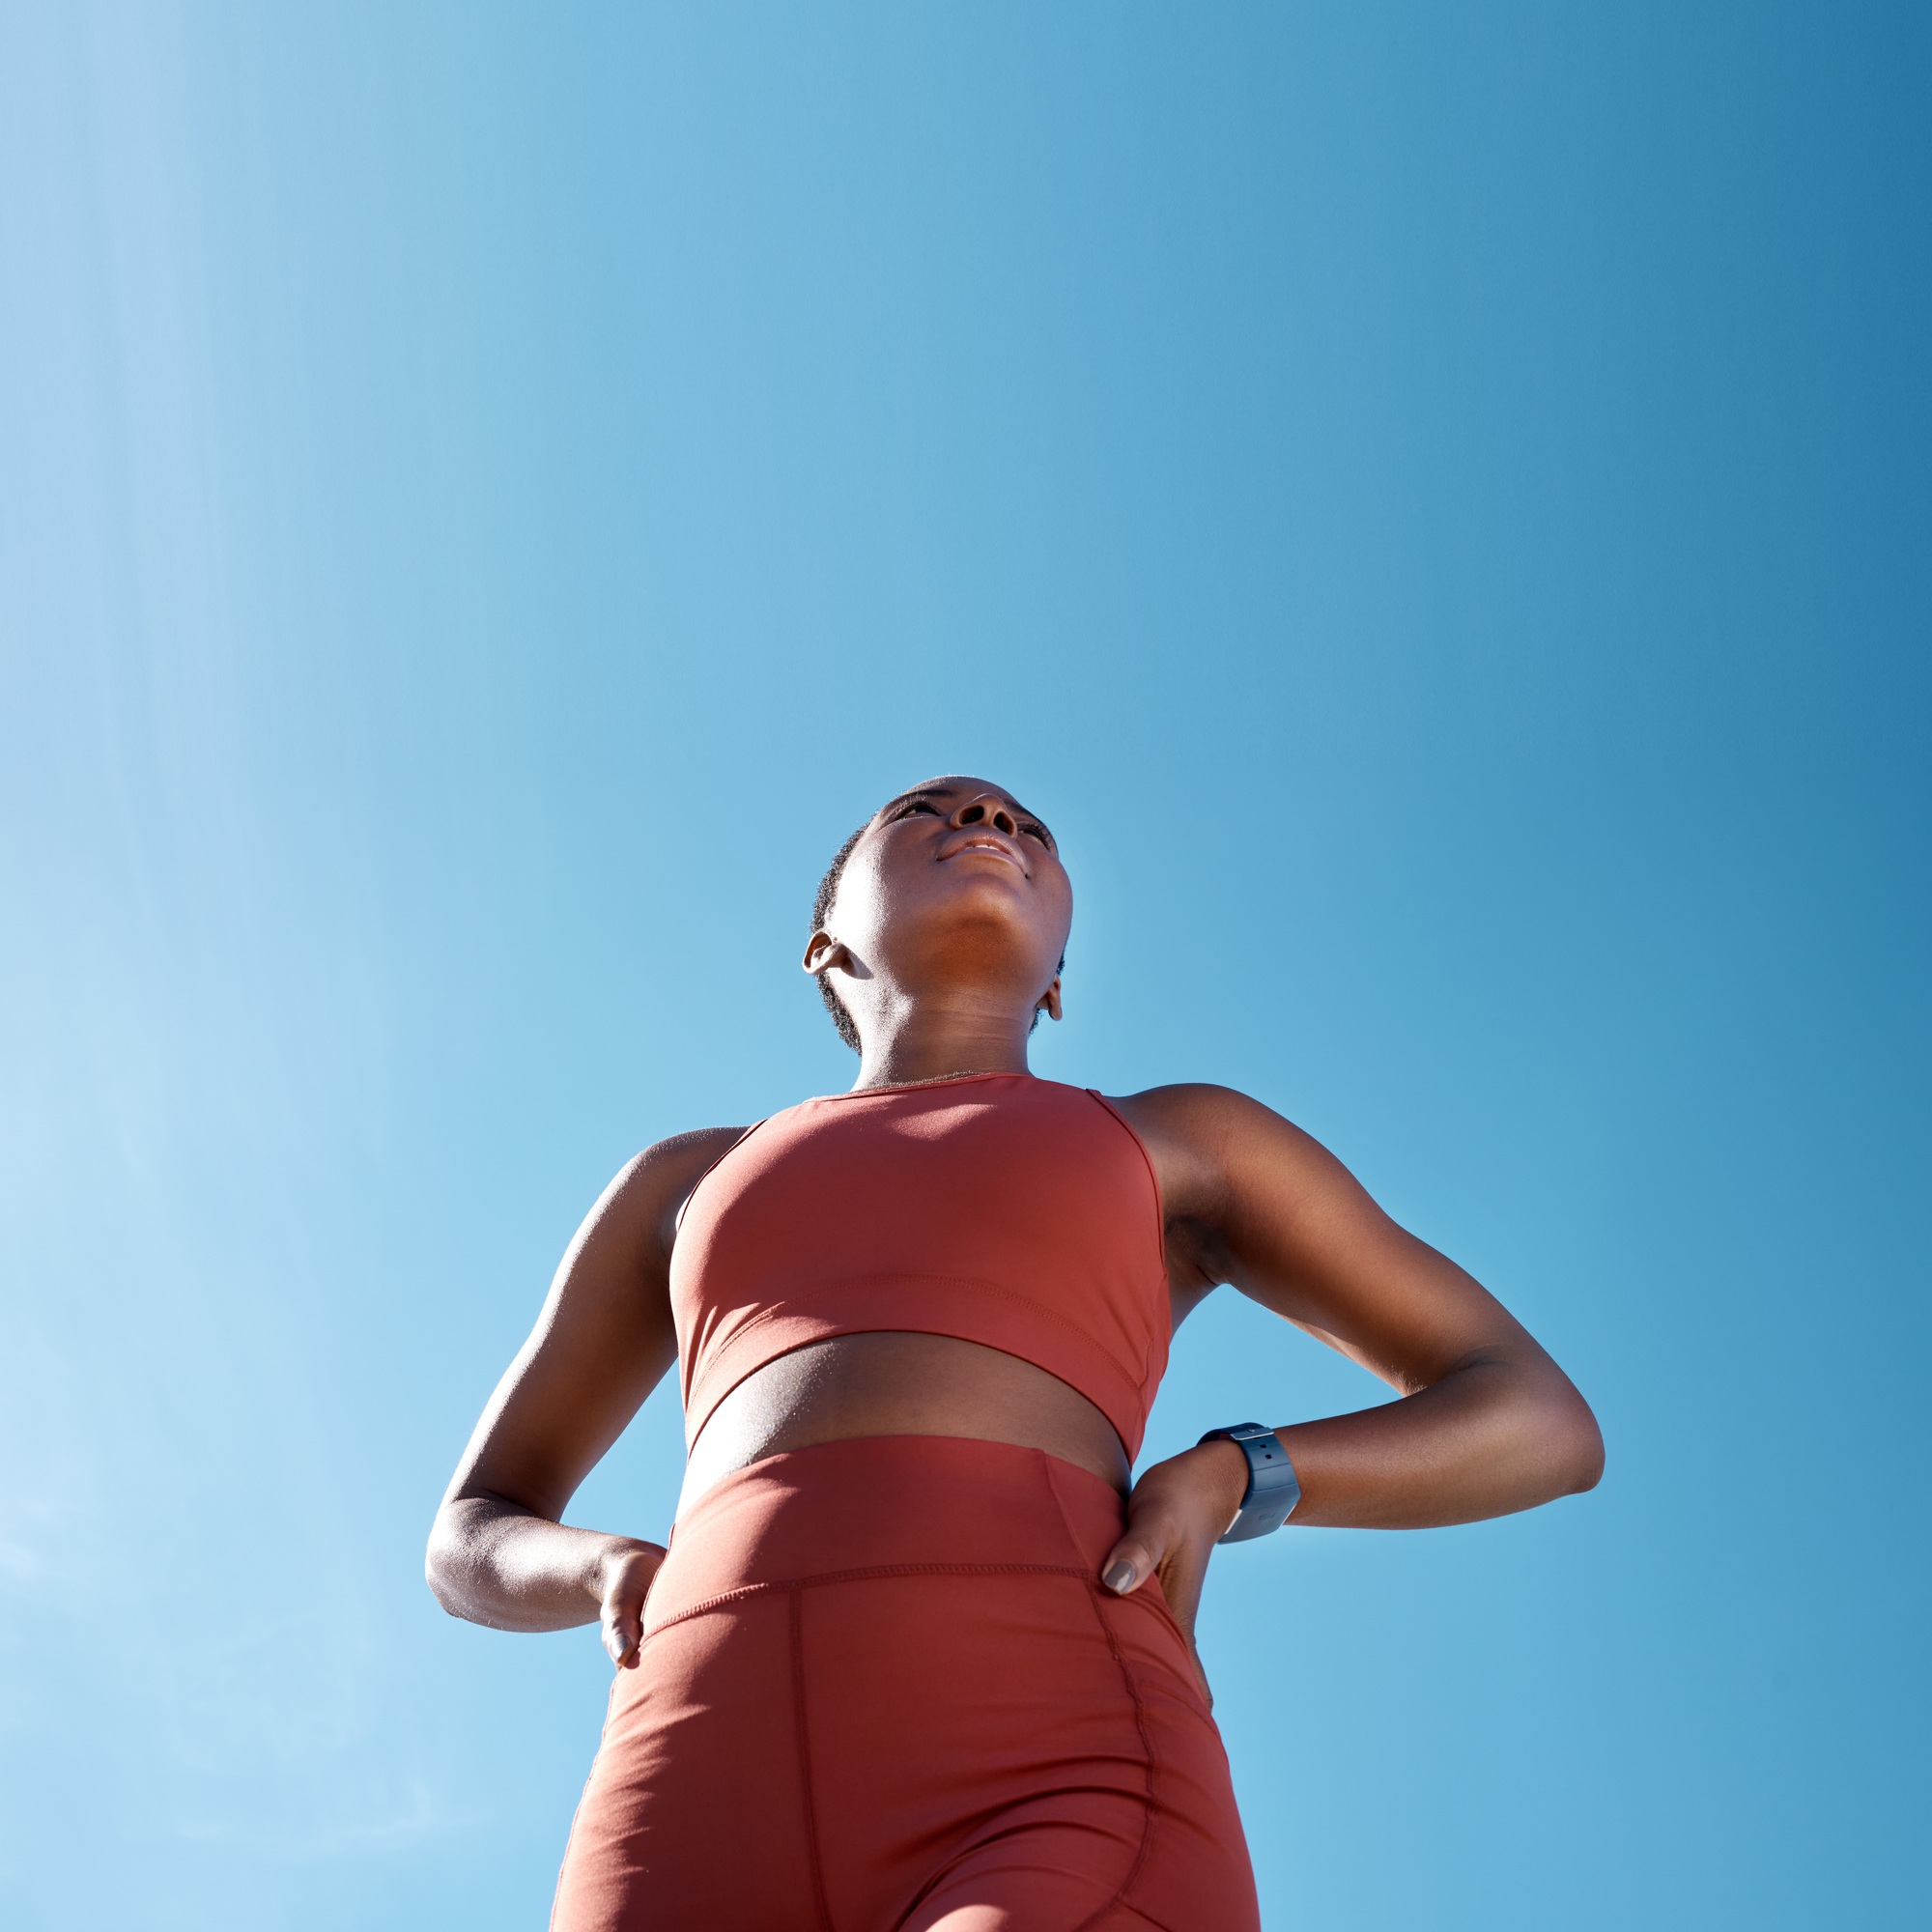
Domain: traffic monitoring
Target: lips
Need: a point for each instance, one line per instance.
(985, 841)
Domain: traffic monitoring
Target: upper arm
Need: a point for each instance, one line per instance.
(1254, 1201)
(602, 1343)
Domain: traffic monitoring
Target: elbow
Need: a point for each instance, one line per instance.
(1549, 1444)
(1574, 1447)
(443, 1566)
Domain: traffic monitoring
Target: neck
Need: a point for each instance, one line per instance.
(931, 1040)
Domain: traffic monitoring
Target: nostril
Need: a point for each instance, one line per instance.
(1004, 823)
(973, 814)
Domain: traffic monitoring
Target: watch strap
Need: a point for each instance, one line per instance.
(1273, 1488)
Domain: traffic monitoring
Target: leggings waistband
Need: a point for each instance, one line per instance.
(885, 1504)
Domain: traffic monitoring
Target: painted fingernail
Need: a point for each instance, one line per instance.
(1121, 1577)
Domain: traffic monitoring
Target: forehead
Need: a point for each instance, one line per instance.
(951, 790)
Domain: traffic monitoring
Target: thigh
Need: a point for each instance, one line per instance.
(1039, 1881)
(953, 1718)
(1014, 1752)
(1021, 1914)
(695, 1814)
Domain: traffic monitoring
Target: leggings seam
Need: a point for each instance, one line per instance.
(1059, 1507)
(745, 1591)
(1119, 1898)
(1139, 1864)
(795, 1607)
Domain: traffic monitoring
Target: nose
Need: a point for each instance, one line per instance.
(988, 809)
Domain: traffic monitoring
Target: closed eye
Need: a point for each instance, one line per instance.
(1034, 828)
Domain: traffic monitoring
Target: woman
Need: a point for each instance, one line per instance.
(920, 1656)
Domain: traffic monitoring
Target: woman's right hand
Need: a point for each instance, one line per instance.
(500, 1552)
(624, 1579)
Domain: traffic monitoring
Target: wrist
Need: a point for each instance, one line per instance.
(1272, 1488)
(1225, 1474)
(611, 1562)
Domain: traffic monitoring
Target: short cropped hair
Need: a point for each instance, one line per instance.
(821, 911)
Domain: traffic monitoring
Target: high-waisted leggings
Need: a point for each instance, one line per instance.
(881, 1690)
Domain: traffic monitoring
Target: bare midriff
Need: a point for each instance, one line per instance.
(900, 1383)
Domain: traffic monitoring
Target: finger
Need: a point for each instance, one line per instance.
(1183, 1576)
(1137, 1555)
(623, 1613)
(623, 1633)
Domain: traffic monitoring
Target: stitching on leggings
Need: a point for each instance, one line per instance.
(1120, 1898)
(1059, 1507)
(745, 1591)
(805, 1761)
(1128, 1883)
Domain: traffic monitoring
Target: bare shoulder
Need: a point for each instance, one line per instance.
(1204, 1138)
(1195, 1108)
(649, 1191)
(683, 1157)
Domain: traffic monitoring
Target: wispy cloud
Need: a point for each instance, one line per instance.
(388, 1817)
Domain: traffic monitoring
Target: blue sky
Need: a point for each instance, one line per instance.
(1430, 502)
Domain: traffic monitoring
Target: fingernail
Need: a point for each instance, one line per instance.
(1121, 1578)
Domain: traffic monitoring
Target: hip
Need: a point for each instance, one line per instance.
(895, 1653)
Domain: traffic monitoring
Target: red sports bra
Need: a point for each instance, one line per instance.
(996, 1208)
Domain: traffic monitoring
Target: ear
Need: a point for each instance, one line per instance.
(1050, 1002)
(823, 951)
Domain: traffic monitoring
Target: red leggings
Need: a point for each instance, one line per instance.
(882, 1690)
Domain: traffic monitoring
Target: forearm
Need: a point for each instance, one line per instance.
(1493, 1436)
(492, 1562)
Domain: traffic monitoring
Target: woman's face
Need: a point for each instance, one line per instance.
(955, 882)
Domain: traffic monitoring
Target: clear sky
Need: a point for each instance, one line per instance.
(1431, 501)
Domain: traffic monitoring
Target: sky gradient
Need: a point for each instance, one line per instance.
(1431, 503)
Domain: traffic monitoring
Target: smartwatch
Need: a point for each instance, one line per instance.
(1273, 1489)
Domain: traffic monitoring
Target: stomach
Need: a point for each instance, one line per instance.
(900, 1383)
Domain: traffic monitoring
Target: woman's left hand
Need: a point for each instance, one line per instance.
(1177, 1511)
